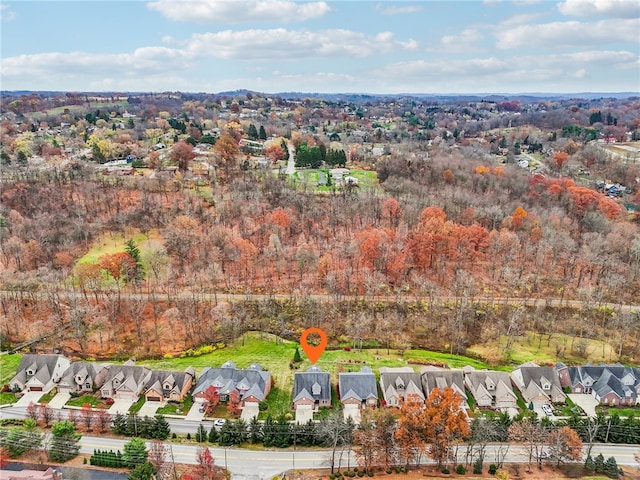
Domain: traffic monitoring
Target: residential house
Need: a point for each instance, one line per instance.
(252, 384)
(123, 381)
(400, 383)
(490, 389)
(538, 385)
(172, 386)
(441, 378)
(609, 384)
(312, 388)
(39, 373)
(80, 377)
(358, 388)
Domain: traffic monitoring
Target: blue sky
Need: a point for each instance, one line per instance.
(473, 46)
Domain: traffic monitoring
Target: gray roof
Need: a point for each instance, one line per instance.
(399, 381)
(608, 383)
(359, 385)
(252, 381)
(536, 374)
(440, 378)
(304, 382)
(43, 367)
(84, 370)
(177, 380)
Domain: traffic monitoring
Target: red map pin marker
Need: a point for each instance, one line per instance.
(313, 351)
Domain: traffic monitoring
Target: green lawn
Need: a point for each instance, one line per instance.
(80, 401)
(623, 412)
(112, 243)
(543, 349)
(7, 398)
(135, 408)
(8, 367)
(173, 408)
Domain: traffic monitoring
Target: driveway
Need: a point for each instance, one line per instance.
(586, 402)
(120, 406)
(59, 400)
(352, 411)
(249, 411)
(194, 413)
(28, 398)
(304, 413)
(149, 409)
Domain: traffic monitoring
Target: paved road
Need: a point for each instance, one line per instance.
(245, 464)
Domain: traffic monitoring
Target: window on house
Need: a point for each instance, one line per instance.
(546, 386)
(87, 385)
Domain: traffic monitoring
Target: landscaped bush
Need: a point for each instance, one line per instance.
(461, 469)
(445, 471)
(477, 467)
(493, 468)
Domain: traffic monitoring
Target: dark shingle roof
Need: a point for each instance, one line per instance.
(307, 380)
(360, 385)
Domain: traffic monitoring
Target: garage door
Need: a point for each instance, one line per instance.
(153, 399)
(35, 389)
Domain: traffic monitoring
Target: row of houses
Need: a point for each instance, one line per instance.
(538, 385)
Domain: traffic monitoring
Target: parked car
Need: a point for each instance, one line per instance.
(219, 422)
(202, 408)
(547, 409)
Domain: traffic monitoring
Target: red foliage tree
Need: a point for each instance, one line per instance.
(182, 153)
(233, 403)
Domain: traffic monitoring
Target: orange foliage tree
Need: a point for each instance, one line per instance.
(564, 444)
(445, 424)
(410, 434)
(118, 265)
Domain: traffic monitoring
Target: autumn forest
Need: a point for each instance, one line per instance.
(446, 241)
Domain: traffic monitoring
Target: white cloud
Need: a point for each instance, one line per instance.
(609, 8)
(293, 44)
(6, 14)
(519, 19)
(393, 10)
(239, 11)
(466, 39)
(142, 61)
(563, 34)
(440, 75)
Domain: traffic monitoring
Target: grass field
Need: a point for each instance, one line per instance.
(7, 398)
(112, 243)
(8, 366)
(547, 349)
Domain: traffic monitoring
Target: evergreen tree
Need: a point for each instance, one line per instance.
(611, 468)
(213, 435)
(64, 442)
(253, 132)
(296, 356)
(161, 428)
(263, 134)
(283, 433)
(255, 431)
(138, 272)
(227, 435)
(268, 432)
(135, 453)
(599, 464)
(201, 434)
(589, 464)
(146, 471)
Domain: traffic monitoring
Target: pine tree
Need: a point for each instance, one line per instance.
(589, 464)
(599, 464)
(296, 356)
(263, 134)
(611, 468)
(213, 435)
(255, 431)
(253, 132)
(161, 428)
(201, 434)
(132, 249)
